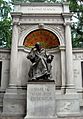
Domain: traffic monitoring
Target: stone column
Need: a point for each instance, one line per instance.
(69, 63)
(14, 101)
(63, 78)
(13, 63)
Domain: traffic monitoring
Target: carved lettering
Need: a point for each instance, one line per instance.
(78, 56)
(40, 94)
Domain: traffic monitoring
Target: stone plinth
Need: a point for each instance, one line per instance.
(67, 105)
(40, 100)
(14, 102)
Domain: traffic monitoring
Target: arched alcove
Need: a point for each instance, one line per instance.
(45, 37)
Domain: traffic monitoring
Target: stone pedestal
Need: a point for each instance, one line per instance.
(41, 100)
(14, 102)
(67, 105)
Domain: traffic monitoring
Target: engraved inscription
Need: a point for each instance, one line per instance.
(44, 9)
(40, 94)
(78, 56)
(40, 99)
(76, 73)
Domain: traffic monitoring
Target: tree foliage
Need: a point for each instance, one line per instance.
(5, 24)
(76, 7)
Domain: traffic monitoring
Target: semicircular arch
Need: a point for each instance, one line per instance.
(31, 29)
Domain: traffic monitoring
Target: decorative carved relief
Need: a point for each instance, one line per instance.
(37, 19)
(66, 107)
(59, 28)
(78, 56)
(23, 28)
(4, 56)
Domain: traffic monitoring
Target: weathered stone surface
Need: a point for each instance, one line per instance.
(40, 100)
(56, 118)
(14, 102)
(67, 105)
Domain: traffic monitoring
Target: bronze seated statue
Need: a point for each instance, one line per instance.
(41, 63)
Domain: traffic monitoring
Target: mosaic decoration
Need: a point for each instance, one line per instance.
(45, 37)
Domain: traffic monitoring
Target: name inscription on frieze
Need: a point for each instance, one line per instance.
(43, 9)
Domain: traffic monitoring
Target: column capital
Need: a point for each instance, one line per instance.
(16, 23)
(66, 15)
(67, 23)
(67, 18)
(62, 48)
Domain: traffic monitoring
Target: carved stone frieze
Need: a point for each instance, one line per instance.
(23, 28)
(59, 28)
(4, 56)
(78, 56)
(44, 19)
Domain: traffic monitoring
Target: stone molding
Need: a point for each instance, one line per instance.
(27, 30)
(21, 18)
(42, 8)
(27, 50)
(5, 50)
(4, 56)
(42, 4)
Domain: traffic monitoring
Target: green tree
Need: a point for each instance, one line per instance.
(5, 24)
(76, 7)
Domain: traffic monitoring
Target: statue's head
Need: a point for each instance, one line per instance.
(38, 46)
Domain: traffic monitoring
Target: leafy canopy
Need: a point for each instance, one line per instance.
(76, 7)
(5, 24)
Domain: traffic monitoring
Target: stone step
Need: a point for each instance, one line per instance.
(34, 118)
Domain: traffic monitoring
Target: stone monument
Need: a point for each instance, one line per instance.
(31, 24)
(40, 89)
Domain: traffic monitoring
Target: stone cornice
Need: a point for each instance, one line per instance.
(66, 15)
(40, 4)
(77, 50)
(35, 18)
(5, 50)
(20, 14)
(45, 8)
(16, 14)
(27, 50)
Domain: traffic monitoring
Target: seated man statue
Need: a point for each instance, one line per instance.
(41, 63)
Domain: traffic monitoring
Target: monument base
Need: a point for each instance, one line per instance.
(67, 105)
(14, 102)
(40, 117)
(41, 100)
